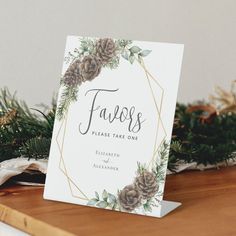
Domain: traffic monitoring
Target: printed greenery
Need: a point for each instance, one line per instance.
(106, 200)
(146, 201)
(134, 52)
(69, 94)
(103, 53)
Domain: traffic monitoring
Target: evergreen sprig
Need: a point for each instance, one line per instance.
(27, 125)
(36, 148)
(160, 168)
(203, 143)
(69, 95)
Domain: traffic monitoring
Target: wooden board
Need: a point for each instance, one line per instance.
(209, 208)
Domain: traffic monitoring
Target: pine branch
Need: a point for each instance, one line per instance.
(69, 95)
(193, 141)
(37, 148)
(25, 126)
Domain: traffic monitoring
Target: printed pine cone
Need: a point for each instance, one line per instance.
(90, 67)
(129, 198)
(72, 76)
(105, 49)
(146, 183)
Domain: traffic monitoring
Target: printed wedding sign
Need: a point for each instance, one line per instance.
(113, 124)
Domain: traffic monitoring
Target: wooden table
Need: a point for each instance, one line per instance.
(209, 208)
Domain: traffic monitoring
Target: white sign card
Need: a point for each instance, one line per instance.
(113, 124)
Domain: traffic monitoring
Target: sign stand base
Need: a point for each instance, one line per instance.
(167, 206)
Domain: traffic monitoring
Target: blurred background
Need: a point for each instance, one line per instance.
(33, 35)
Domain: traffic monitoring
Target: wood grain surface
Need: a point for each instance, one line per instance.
(208, 198)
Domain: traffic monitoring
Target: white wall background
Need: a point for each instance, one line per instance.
(32, 39)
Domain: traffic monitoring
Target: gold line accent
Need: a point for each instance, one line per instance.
(70, 181)
(148, 75)
(57, 139)
(163, 91)
(157, 114)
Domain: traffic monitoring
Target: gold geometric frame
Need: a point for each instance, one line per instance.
(156, 147)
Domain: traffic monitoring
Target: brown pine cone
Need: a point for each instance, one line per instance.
(90, 67)
(72, 77)
(146, 183)
(105, 49)
(129, 198)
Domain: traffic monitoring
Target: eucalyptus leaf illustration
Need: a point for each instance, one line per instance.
(131, 58)
(125, 55)
(135, 49)
(144, 53)
(114, 206)
(104, 195)
(111, 198)
(92, 202)
(97, 195)
(102, 204)
(139, 58)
